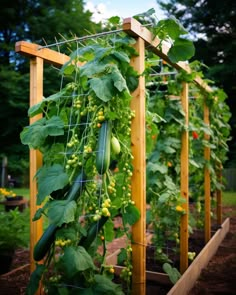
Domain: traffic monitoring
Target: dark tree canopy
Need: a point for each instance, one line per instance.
(42, 21)
(212, 23)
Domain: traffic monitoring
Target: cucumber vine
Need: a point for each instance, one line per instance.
(81, 201)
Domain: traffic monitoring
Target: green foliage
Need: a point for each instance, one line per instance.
(75, 260)
(172, 272)
(171, 31)
(229, 198)
(164, 148)
(36, 134)
(62, 212)
(50, 179)
(67, 136)
(14, 230)
(163, 166)
(38, 22)
(212, 27)
(35, 279)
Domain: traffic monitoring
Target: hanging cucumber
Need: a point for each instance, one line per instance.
(48, 237)
(92, 232)
(115, 145)
(104, 148)
(44, 243)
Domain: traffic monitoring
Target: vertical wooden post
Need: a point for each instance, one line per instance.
(139, 175)
(207, 181)
(36, 95)
(219, 198)
(184, 182)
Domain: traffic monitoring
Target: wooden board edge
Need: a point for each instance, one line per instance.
(133, 28)
(188, 279)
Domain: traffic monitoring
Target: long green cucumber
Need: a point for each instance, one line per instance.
(104, 148)
(44, 243)
(48, 237)
(92, 232)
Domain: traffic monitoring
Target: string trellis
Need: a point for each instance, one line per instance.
(90, 164)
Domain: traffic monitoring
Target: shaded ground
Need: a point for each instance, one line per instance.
(220, 275)
(218, 278)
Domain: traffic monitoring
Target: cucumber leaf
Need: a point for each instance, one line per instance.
(76, 260)
(105, 286)
(35, 134)
(50, 179)
(61, 211)
(35, 279)
(157, 167)
(109, 230)
(131, 214)
(181, 50)
(173, 27)
(172, 272)
(103, 87)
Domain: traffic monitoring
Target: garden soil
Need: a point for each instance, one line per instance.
(219, 277)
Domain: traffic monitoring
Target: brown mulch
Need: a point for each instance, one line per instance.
(218, 278)
(15, 281)
(220, 275)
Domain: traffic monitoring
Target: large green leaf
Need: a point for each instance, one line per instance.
(109, 230)
(50, 179)
(104, 286)
(61, 211)
(35, 134)
(131, 214)
(76, 260)
(53, 153)
(93, 69)
(121, 56)
(54, 126)
(38, 108)
(119, 81)
(173, 27)
(157, 167)
(35, 279)
(103, 87)
(122, 256)
(172, 272)
(181, 50)
(131, 77)
(170, 184)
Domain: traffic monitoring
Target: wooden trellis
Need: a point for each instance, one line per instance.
(144, 38)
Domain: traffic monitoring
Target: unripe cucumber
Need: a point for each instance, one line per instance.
(115, 145)
(104, 148)
(92, 232)
(48, 237)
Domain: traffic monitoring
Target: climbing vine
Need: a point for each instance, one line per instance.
(85, 181)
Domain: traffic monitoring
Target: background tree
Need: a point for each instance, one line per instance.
(213, 25)
(43, 21)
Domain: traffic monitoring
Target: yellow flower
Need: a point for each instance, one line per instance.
(6, 193)
(179, 208)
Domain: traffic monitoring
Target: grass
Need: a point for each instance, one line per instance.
(229, 198)
(22, 192)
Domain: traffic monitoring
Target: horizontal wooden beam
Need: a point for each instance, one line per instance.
(134, 28)
(48, 55)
